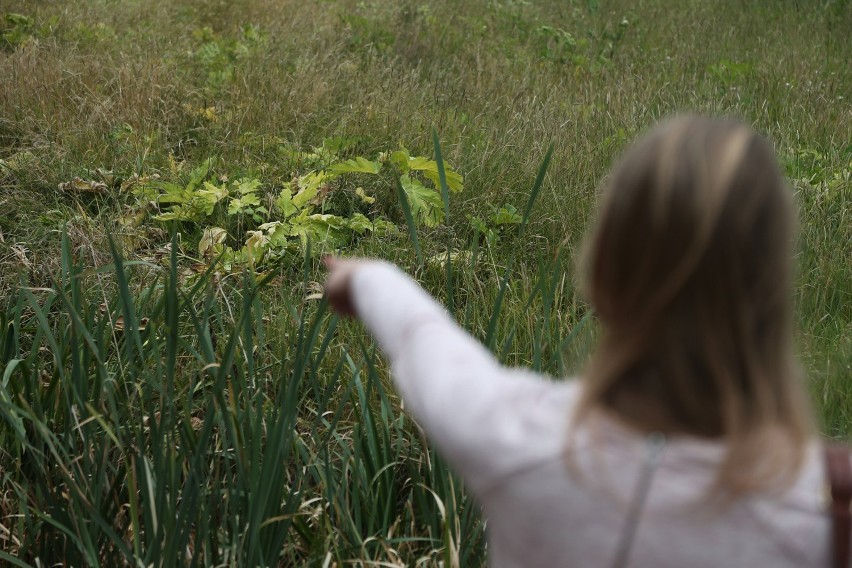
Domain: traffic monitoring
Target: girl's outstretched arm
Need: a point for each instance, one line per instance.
(486, 420)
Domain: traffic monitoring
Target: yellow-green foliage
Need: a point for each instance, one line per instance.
(298, 213)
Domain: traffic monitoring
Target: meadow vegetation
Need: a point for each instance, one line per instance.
(173, 390)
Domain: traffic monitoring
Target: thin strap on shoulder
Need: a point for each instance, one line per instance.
(655, 444)
(839, 473)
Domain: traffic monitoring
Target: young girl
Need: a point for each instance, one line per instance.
(688, 441)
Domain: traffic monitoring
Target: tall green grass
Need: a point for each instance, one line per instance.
(148, 420)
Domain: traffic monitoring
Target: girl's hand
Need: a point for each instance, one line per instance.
(337, 284)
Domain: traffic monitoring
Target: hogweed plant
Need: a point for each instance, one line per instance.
(280, 225)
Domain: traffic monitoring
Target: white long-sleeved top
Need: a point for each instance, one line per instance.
(554, 499)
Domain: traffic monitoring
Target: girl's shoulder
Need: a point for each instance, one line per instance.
(520, 425)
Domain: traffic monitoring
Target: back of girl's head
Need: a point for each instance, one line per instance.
(689, 269)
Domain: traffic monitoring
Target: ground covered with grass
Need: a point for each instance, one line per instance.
(173, 390)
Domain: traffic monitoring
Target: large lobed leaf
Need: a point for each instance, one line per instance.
(309, 185)
(358, 164)
(427, 208)
(406, 163)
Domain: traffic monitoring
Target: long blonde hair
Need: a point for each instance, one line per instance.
(689, 270)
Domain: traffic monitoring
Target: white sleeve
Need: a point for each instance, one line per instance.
(486, 420)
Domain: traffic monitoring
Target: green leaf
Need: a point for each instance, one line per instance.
(142, 187)
(358, 164)
(246, 186)
(214, 192)
(430, 169)
(383, 227)
(420, 163)
(409, 219)
(185, 212)
(198, 174)
(477, 224)
(277, 232)
(454, 180)
(506, 215)
(337, 144)
(441, 183)
(238, 205)
(536, 188)
(173, 193)
(359, 223)
(400, 160)
(364, 197)
(309, 185)
(304, 196)
(323, 230)
(207, 198)
(169, 216)
(427, 208)
(285, 204)
(250, 199)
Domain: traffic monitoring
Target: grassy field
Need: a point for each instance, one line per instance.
(173, 392)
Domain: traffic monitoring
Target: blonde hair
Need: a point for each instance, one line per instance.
(689, 270)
